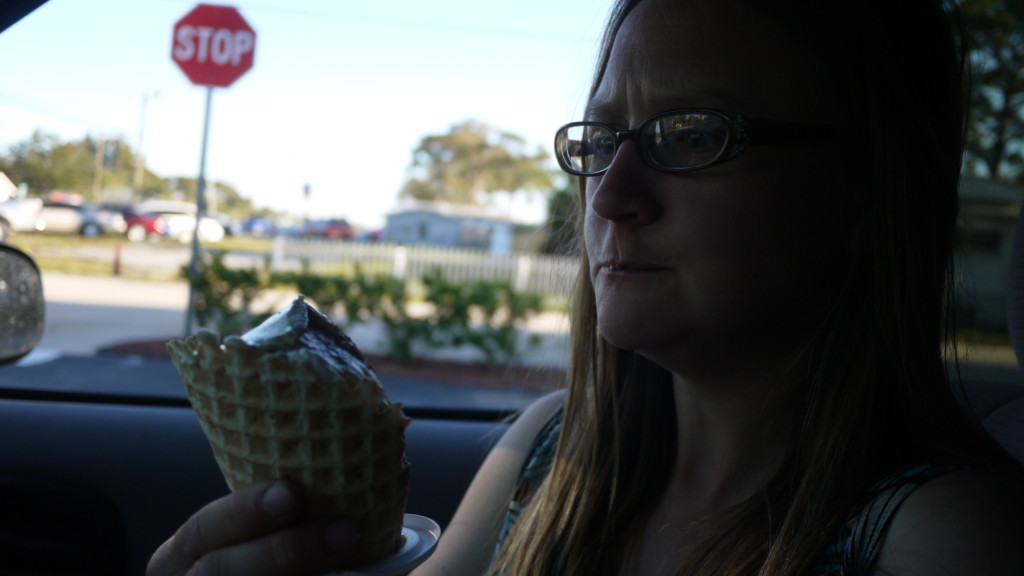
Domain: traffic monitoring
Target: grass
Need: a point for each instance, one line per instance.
(244, 244)
(71, 254)
(31, 242)
(36, 242)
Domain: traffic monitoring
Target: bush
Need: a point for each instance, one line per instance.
(224, 296)
(484, 315)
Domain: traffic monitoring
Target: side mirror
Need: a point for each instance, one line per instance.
(22, 307)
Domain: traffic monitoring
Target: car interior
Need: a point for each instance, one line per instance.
(93, 483)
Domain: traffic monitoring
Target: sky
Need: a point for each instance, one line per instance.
(340, 93)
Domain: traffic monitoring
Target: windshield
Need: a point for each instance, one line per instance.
(388, 160)
(313, 162)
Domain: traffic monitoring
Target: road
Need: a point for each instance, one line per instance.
(87, 313)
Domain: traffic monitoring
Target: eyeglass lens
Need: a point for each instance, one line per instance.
(675, 141)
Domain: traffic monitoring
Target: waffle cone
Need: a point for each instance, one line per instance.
(290, 414)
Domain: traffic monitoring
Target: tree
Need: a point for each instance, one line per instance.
(29, 162)
(90, 167)
(995, 147)
(103, 170)
(472, 160)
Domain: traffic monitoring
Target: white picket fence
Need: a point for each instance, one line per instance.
(532, 273)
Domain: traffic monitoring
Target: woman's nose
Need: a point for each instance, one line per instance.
(623, 193)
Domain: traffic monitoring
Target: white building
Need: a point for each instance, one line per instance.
(988, 213)
(449, 226)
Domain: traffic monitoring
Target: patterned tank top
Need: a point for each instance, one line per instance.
(853, 552)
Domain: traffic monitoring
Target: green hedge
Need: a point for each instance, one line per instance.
(484, 315)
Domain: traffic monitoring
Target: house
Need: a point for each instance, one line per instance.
(449, 226)
(988, 215)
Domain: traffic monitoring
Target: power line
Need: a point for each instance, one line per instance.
(24, 104)
(425, 25)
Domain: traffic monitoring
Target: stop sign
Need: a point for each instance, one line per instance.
(213, 45)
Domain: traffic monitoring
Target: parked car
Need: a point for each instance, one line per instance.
(84, 219)
(331, 229)
(226, 222)
(370, 236)
(145, 226)
(18, 215)
(257, 227)
(180, 221)
(112, 221)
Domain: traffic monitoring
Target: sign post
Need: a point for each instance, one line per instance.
(214, 46)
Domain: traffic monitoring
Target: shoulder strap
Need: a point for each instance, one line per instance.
(540, 459)
(535, 469)
(855, 551)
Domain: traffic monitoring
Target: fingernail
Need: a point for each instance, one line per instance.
(278, 500)
(341, 536)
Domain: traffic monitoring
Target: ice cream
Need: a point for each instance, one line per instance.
(294, 398)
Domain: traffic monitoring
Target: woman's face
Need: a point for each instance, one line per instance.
(693, 267)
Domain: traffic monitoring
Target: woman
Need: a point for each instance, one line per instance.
(768, 199)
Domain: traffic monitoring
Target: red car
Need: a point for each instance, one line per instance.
(142, 227)
(333, 229)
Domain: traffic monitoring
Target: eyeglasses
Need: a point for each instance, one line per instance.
(676, 141)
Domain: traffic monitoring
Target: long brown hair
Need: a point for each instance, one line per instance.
(877, 394)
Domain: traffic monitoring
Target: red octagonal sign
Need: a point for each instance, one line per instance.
(213, 45)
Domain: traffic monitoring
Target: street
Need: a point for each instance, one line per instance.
(86, 313)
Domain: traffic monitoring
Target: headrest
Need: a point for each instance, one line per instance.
(1015, 297)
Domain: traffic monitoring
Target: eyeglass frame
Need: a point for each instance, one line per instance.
(740, 132)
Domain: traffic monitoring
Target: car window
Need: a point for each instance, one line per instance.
(308, 154)
(321, 163)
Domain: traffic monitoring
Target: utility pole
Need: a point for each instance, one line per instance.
(212, 193)
(140, 157)
(99, 157)
(305, 197)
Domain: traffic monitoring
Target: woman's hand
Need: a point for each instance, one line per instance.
(256, 532)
